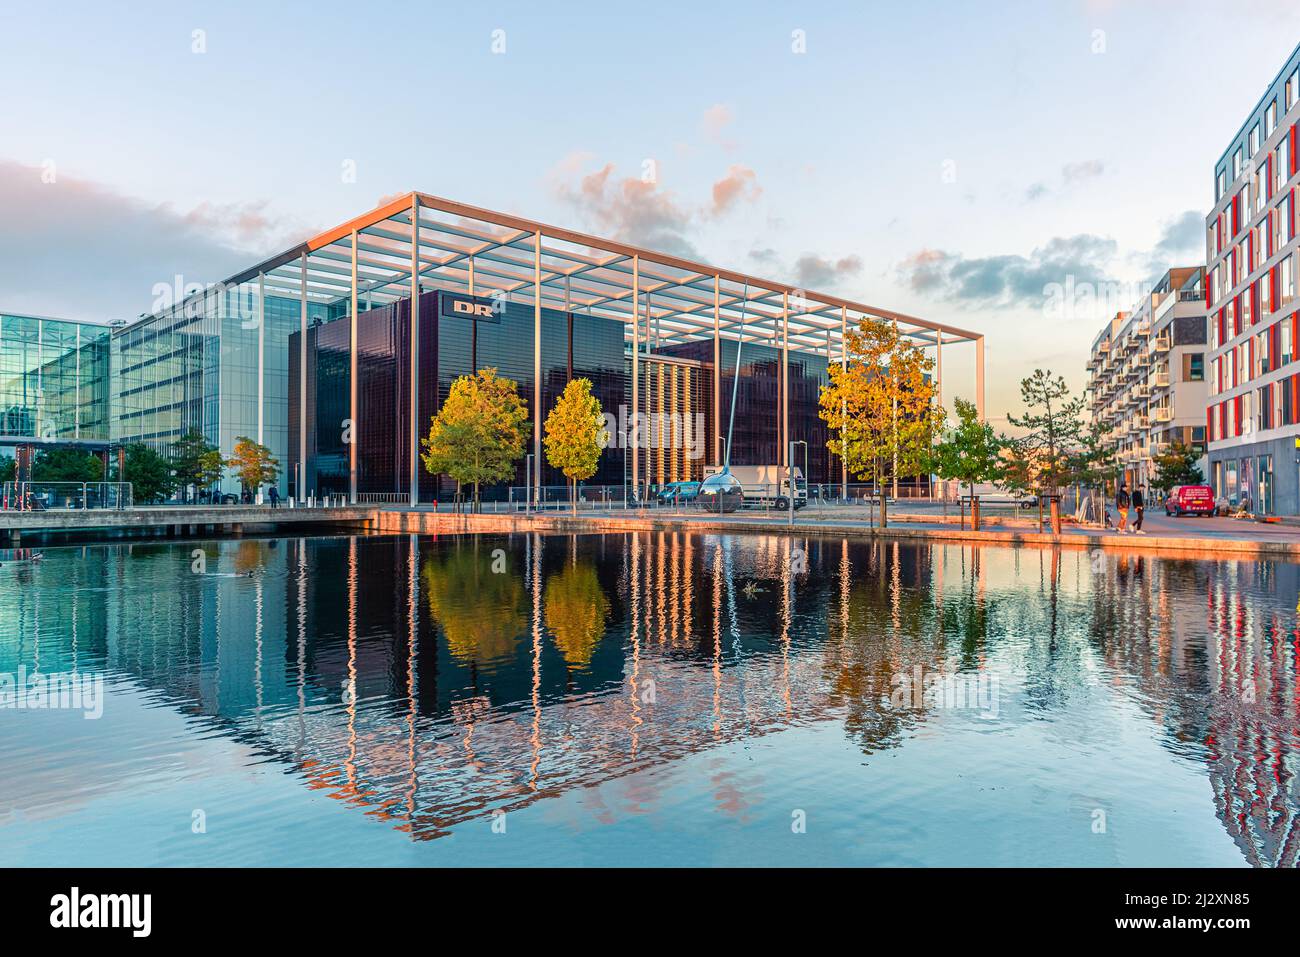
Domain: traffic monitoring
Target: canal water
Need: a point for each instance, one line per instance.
(644, 699)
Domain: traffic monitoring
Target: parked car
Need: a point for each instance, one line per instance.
(1190, 500)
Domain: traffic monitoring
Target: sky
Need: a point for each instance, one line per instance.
(960, 162)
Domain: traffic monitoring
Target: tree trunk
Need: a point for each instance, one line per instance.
(884, 515)
(573, 494)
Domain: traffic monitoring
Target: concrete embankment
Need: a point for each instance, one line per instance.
(1181, 546)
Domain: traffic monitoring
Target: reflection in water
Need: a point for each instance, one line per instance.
(430, 682)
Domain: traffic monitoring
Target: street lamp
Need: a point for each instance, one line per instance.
(789, 471)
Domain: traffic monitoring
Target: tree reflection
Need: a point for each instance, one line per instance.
(481, 612)
(576, 610)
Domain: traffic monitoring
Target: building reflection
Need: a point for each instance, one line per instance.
(430, 681)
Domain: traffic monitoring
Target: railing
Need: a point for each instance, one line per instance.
(1161, 344)
(51, 496)
(1161, 380)
(382, 498)
(1163, 414)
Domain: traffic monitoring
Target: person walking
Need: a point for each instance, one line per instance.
(1121, 507)
(273, 493)
(1139, 506)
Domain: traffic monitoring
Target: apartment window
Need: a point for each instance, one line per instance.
(1266, 292)
(1282, 164)
(1196, 367)
(1288, 279)
(1293, 89)
(1285, 339)
(1238, 161)
(1261, 353)
(1270, 119)
(1261, 186)
(1214, 379)
(1254, 140)
(1220, 185)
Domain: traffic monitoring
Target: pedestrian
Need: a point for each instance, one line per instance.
(1139, 506)
(1121, 507)
(273, 493)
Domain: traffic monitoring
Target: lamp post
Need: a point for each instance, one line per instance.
(789, 471)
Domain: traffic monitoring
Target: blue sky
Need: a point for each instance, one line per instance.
(942, 159)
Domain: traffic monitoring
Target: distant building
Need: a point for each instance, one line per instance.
(1252, 257)
(1146, 374)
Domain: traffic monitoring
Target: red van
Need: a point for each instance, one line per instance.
(1190, 500)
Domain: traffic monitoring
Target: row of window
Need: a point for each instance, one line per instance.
(1269, 234)
(1247, 151)
(1271, 406)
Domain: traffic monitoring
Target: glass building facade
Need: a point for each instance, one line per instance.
(54, 376)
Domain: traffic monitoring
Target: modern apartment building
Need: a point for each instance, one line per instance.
(1146, 374)
(1252, 256)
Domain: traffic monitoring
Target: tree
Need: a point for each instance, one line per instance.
(575, 434)
(1177, 466)
(968, 453)
(67, 465)
(195, 461)
(1092, 463)
(479, 433)
(8, 469)
(1052, 426)
(881, 406)
(253, 464)
(576, 610)
(149, 473)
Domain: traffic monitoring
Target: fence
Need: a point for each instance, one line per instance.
(49, 496)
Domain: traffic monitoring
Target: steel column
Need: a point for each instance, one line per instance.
(537, 360)
(301, 480)
(414, 436)
(352, 378)
(979, 377)
(717, 370)
(635, 432)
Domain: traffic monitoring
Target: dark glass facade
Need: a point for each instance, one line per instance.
(677, 379)
(451, 345)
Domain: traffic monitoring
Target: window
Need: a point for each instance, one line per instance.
(1293, 89)
(1270, 119)
(1220, 185)
(1288, 279)
(1285, 339)
(1282, 164)
(1196, 367)
(1238, 161)
(1254, 140)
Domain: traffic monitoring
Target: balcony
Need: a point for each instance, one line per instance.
(1161, 343)
(1160, 379)
(1163, 413)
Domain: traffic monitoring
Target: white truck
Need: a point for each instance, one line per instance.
(767, 484)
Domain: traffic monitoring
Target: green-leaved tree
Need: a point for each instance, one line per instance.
(149, 473)
(196, 462)
(1177, 466)
(968, 453)
(575, 434)
(479, 433)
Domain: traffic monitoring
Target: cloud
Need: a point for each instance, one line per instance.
(740, 183)
(716, 119)
(1072, 173)
(1184, 235)
(1008, 280)
(631, 210)
(636, 210)
(84, 251)
(817, 272)
(1035, 191)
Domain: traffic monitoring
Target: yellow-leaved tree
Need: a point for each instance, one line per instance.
(881, 407)
(575, 434)
(479, 433)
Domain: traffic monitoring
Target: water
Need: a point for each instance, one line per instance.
(657, 698)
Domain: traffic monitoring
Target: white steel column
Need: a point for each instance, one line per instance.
(718, 451)
(635, 432)
(537, 361)
(844, 367)
(352, 380)
(261, 368)
(414, 437)
(785, 386)
(301, 479)
(979, 376)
